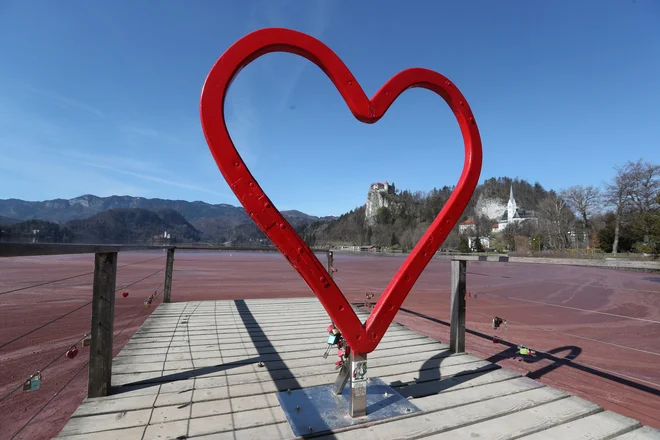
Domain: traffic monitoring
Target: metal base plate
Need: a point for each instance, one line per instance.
(317, 409)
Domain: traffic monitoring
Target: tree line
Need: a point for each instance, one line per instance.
(622, 215)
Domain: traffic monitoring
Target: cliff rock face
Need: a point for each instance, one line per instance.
(490, 207)
(377, 198)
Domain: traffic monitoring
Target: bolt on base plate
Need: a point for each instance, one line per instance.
(320, 409)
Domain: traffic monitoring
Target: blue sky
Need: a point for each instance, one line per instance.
(103, 97)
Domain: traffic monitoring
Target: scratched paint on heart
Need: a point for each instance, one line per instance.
(363, 338)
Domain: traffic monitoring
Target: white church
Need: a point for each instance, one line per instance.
(513, 214)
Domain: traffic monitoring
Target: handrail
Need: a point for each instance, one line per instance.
(612, 263)
(35, 249)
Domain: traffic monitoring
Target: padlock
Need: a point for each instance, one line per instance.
(87, 341)
(330, 327)
(332, 339)
(124, 294)
(33, 383)
(340, 353)
(72, 352)
(335, 331)
(339, 364)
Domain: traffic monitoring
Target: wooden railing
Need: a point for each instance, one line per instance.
(105, 275)
(459, 280)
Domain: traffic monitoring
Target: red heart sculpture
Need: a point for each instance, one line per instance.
(361, 338)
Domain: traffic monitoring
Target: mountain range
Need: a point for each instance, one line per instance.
(128, 219)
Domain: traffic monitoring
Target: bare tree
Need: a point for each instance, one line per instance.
(644, 190)
(617, 195)
(558, 217)
(584, 201)
(483, 226)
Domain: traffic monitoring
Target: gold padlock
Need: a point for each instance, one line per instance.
(335, 331)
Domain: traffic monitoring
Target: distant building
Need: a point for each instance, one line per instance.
(513, 214)
(467, 226)
(485, 242)
(386, 187)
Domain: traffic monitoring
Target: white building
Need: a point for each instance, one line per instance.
(513, 214)
(466, 227)
(485, 242)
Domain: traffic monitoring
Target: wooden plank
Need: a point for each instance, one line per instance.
(427, 369)
(116, 434)
(271, 432)
(598, 426)
(312, 327)
(295, 356)
(457, 307)
(645, 433)
(524, 422)
(106, 422)
(275, 362)
(167, 286)
(102, 327)
(291, 343)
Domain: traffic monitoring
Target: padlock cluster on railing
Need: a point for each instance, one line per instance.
(335, 339)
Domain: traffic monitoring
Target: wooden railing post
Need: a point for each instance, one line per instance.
(457, 312)
(103, 315)
(169, 265)
(331, 262)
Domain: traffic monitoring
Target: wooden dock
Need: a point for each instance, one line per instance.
(212, 370)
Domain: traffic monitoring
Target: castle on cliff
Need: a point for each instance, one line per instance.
(376, 199)
(387, 187)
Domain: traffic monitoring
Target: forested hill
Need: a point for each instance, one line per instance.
(126, 225)
(411, 213)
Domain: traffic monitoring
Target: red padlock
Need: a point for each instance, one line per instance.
(329, 328)
(340, 353)
(72, 352)
(125, 294)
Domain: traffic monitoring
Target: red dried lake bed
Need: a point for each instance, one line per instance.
(615, 353)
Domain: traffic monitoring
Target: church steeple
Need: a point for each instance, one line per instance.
(511, 206)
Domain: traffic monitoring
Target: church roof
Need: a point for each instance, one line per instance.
(468, 222)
